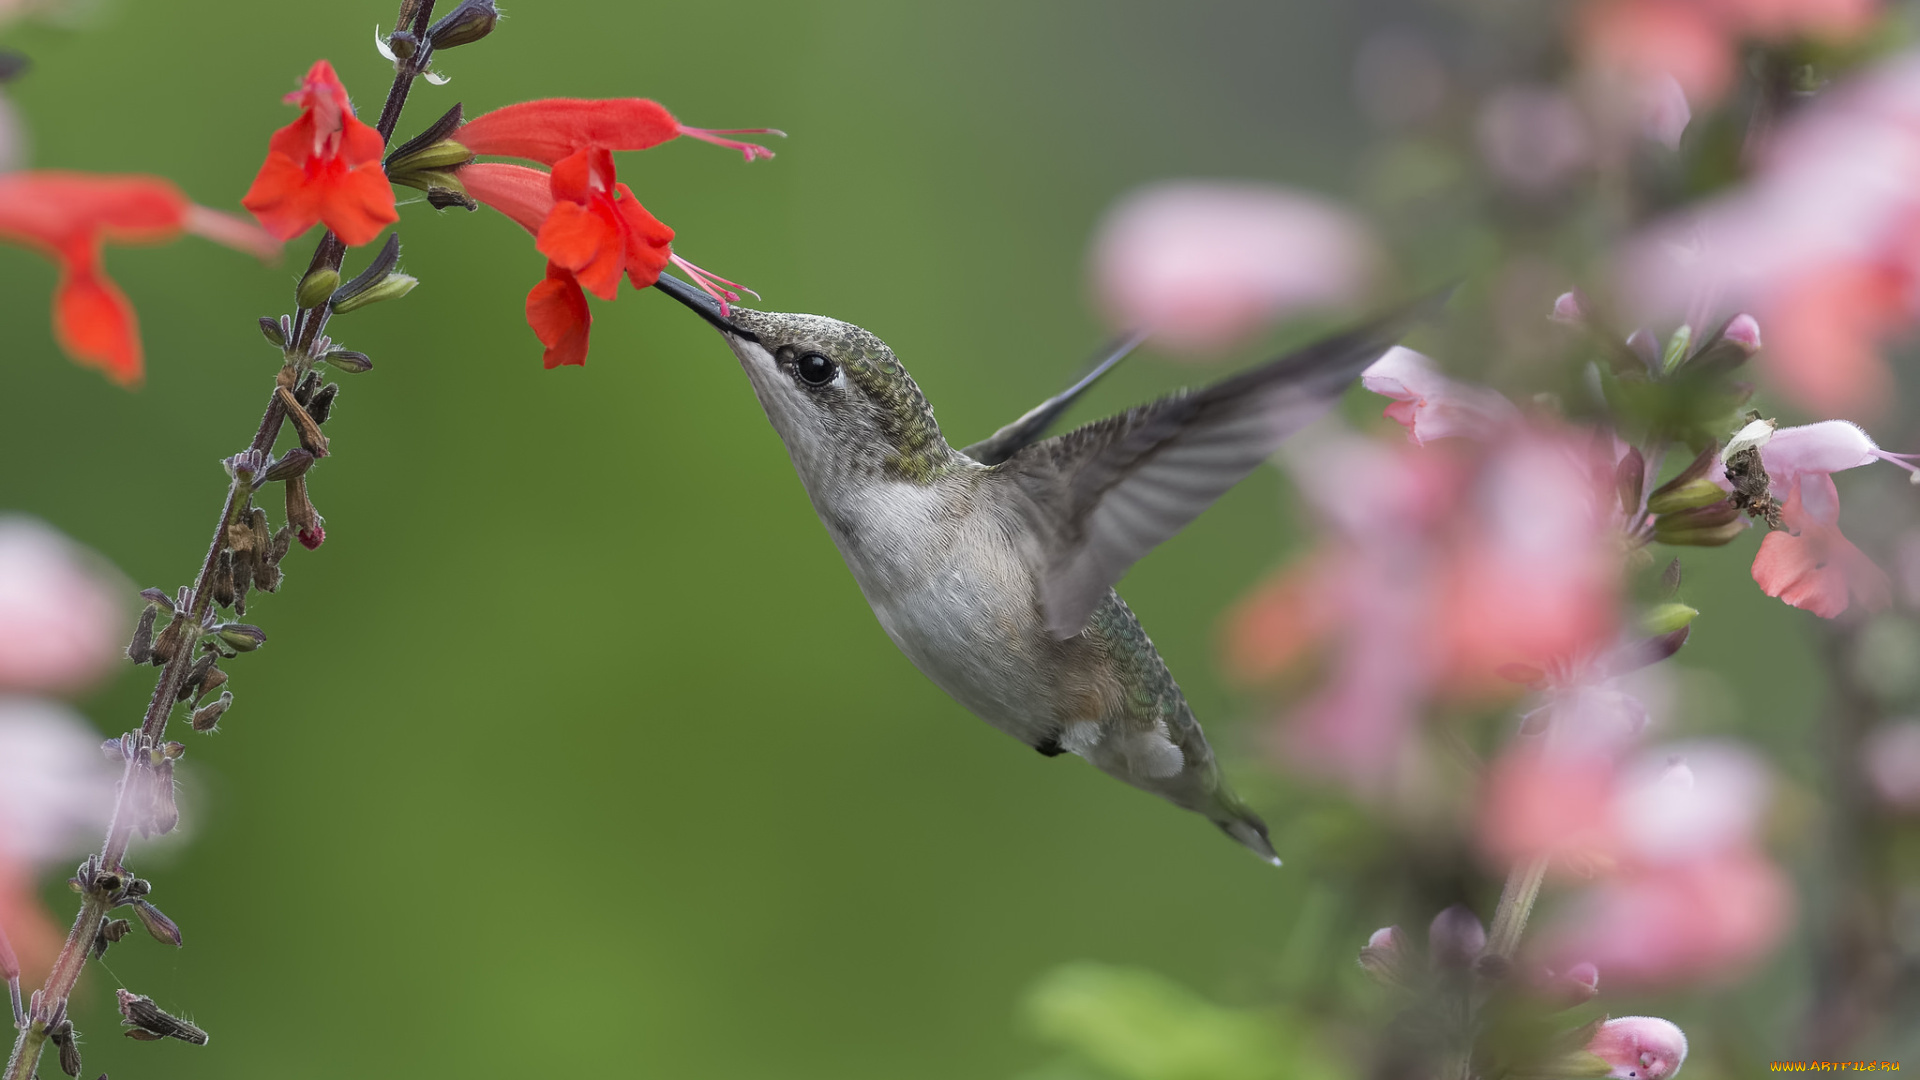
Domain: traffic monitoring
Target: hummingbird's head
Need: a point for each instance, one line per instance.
(837, 395)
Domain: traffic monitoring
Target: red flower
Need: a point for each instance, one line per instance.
(68, 215)
(324, 167)
(591, 227)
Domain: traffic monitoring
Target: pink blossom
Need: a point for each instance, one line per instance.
(55, 794)
(1640, 1047)
(1533, 138)
(1664, 114)
(61, 624)
(1890, 758)
(1443, 563)
(1430, 405)
(1205, 265)
(1819, 244)
(1696, 42)
(1810, 564)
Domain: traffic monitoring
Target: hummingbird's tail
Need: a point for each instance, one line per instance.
(1244, 825)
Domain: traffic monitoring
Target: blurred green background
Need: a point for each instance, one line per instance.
(576, 748)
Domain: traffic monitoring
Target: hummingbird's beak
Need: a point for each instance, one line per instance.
(703, 305)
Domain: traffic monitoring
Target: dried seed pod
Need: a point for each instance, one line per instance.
(140, 649)
(282, 541)
(301, 515)
(109, 932)
(173, 751)
(321, 406)
(310, 436)
(136, 887)
(215, 680)
(162, 928)
(165, 815)
(196, 677)
(69, 1044)
(207, 717)
(294, 462)
(142, 1015)
(223, 594)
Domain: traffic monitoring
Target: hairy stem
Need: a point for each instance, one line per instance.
(135, 791)
(1516, 904)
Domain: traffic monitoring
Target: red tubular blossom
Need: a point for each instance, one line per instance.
(591, 227)
(551, 129)
(69, 215)
(323, 167)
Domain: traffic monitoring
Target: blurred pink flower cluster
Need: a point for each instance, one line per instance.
(1678, 886)
(1823, 244)
(1697, 42)
(1203, 266)
(1447, 569)
(60, 632)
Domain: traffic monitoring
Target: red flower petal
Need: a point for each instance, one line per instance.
(584, 242)
(523, 194)
(648, 241)
(550, 129)
(323, 167)
(557, 311)
(94, 322)
(52, 209)
(358, 205)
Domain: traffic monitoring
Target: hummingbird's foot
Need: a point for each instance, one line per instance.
(716, 136)
(713, 285)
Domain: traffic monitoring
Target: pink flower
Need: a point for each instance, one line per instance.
(1640, 1047)
(1533, 139)
(1684, 892)
(1820, 244)
(1430, 405)
(1697, 42)
(1890, 758)
(55, 792)
(1442, 564)
(1206, 265)
(61, 623)
(1809, 564)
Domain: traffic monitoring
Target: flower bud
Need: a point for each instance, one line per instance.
(1455, 938)
(1690, 495)
(157, 598)
(1706, 526)
(142, 1015)
(317, 286)
(348, 362)
(1743, 331)
(173, 751)
(377, 270)
(276, 334)
(1643, 1047)
(1567, 309)
(391, 287)
(1677, 348)
(240, 636)
(1560, 990)
(162, 928)
(207, 717)
(1666, 618)
(465, 25)
(1384, 957)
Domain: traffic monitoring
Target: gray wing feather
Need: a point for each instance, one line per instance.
(1016, 436)
(1104, 495)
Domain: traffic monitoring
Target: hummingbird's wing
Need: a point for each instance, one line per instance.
(1016, 436)
(1103, 495)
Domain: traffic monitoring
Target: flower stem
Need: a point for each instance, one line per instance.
(51, 1000)
(1516, 904)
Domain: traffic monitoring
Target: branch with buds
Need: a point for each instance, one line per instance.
(185, 636)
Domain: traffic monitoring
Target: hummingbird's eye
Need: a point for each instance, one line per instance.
(815, 370)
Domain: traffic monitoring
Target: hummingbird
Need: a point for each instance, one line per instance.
(992, 566)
